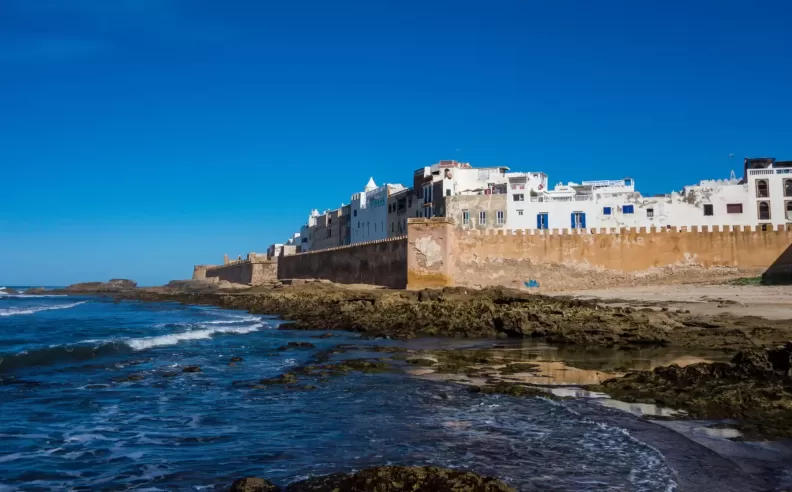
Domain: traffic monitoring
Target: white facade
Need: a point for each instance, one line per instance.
(616, 204)
(369, 220)
(770, 191)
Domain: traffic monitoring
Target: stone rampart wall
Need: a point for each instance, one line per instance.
(245, 272)
(573, 260)
(380, 262)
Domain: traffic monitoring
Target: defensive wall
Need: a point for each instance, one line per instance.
(252, 271)
(381, 262)
(436, 253)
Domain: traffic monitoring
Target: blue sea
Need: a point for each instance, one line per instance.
(72, 420)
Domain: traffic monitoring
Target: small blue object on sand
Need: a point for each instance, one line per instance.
(531, 284)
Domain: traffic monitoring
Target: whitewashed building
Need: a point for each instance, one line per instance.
(369, 220)
(770, 191)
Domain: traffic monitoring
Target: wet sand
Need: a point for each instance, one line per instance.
(770, 302)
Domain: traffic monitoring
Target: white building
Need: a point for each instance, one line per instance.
(770, 191)
(616, 204)
(369, 221)
(431, 184)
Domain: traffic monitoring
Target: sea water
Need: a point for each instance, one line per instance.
(72, 420)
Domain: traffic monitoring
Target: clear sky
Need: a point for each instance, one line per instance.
(139, 137)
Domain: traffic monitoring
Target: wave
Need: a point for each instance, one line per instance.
(15, 311)
(174, 338)
(91, 349)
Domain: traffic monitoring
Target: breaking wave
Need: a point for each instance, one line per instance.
(15, 311)
(174, 338)
(91, 349)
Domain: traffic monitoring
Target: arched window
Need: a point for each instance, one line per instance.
(761, 189)
(788, 187)
(764, 211)
(789, 211)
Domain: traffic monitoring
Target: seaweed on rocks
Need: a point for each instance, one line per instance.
(754, 389)
(385, 479)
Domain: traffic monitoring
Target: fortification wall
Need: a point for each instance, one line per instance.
(245, 272)
(199, 271)
(380, 262)
(572, 260)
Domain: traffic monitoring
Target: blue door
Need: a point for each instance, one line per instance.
(578, 220)
(541, 221)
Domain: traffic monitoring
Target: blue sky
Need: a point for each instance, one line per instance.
(138, 137)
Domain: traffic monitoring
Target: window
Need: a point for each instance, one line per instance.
(541, 221)
(519, 212)
(448, 192)
(354, 213)
(764, 211)
(628, 209)
(650, 213)
(788, 187)
(329, 233)
(519, 197)
(788, 206)
(393, 227)
(578, 220)
(708, 209)
(606, 211)
(465, 217)
(734, 208)
(358, 224)
(761, 189)
(482, 218)
(409, 203)
(501, 217)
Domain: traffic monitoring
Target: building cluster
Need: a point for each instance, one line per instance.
(496, 198)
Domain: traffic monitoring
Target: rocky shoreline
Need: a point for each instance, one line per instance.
(384, 479)
(754, 389)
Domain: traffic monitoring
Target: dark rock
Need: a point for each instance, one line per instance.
(754, 389)
(237, 359)
(511, 389)
(191, 369)
(402, 478)
(297, 345)
(169, 374)
(286, 378)
(324, 335)
(10, 291)
(253, 485)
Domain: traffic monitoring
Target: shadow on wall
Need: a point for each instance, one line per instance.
(780, 272)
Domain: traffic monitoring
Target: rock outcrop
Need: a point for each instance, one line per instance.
(385, 479)
(754, 389)
(487, 313)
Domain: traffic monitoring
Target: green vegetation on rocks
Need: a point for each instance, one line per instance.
(755, 389)
(385, 479)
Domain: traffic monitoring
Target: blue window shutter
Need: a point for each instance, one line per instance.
(573, 221)
(538, 221)
(582, 221)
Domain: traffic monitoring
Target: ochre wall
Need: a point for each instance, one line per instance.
(377, 262)
(567, 260)
(246, 272)
(430, 253)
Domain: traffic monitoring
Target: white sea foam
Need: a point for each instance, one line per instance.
(14, 311)
(174, 338)
(241, 319)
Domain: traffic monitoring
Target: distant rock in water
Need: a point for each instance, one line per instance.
(114, 285)
(9, 290)
(385, 479)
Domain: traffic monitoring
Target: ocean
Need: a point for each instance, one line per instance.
(72, 419)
